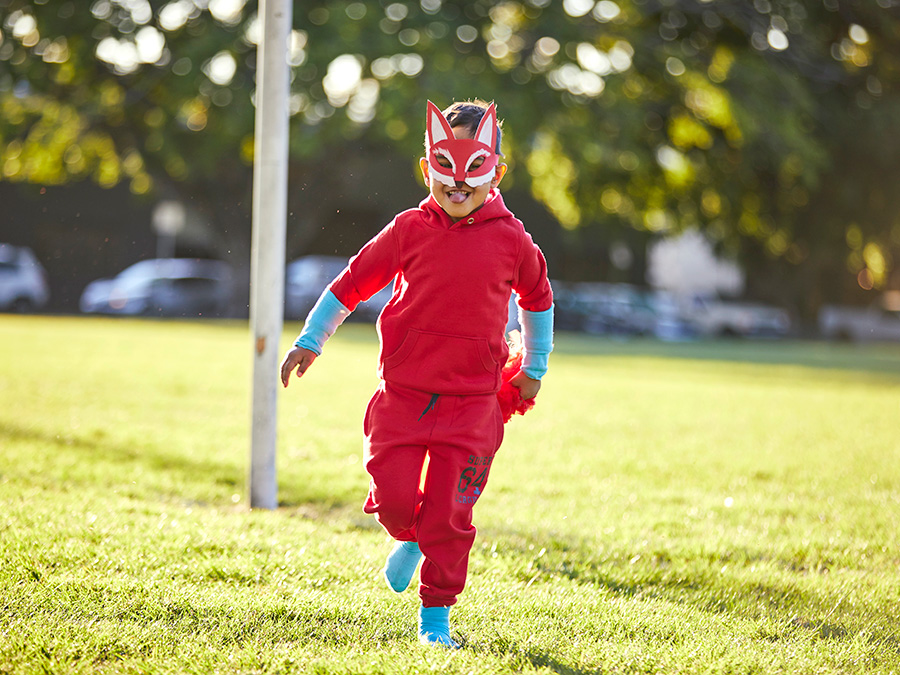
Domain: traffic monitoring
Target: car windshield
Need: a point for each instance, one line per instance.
(312, 271)
(139, 271)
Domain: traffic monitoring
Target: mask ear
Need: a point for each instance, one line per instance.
(487, 128)
(498, 176)
(436, 127)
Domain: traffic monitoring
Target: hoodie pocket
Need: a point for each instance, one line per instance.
(445, 364)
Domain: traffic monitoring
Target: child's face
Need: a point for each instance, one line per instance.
(461, 200)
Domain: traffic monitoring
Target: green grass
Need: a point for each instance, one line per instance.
(680, 508)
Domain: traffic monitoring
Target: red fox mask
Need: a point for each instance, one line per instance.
(454, 160)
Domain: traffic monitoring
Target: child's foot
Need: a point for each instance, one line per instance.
(434, 627)
(401, 565)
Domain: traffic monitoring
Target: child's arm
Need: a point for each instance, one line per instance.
(323, 319)
(537, 341)
(298, 358)
(535, 318)
(527, 387)
(368, 272)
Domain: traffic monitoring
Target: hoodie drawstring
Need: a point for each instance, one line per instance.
(431, 403)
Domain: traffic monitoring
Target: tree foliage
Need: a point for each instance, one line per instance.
(766, 123)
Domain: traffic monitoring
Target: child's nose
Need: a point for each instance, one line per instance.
(459, 184)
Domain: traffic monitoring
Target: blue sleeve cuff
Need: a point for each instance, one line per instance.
(326, 315)
(537, 339)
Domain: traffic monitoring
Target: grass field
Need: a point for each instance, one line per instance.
(681, 508)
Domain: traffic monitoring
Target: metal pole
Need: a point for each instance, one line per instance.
(270, 169)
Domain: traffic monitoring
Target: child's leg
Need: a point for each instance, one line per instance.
(394, 456)
(461, 434)
(395, 452)
(468, 433)
(394, 495)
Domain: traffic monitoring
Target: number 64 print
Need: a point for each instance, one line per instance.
(468, 479)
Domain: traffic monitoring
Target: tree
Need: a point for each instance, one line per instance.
(766, 123)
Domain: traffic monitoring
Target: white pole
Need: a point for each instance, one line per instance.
(270, 170)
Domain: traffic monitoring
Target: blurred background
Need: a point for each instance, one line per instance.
(689, 167)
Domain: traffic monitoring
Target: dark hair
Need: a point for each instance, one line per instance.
(468, 114)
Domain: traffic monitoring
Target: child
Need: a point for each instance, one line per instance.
(434, 424)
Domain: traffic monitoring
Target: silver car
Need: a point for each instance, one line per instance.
(162, 287)
(23, 280)
(307, 277)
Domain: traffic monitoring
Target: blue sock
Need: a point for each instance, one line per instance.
(434, 627)
(401, 565)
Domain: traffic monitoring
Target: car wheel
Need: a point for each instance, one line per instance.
(22, 306)
(843, 335)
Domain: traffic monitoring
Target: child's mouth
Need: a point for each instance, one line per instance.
(457, 196)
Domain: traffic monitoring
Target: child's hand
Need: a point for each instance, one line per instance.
(527, 387)
(298, 358)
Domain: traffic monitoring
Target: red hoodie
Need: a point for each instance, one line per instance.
(443, 330)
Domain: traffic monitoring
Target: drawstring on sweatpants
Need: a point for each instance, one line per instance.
(431, 403)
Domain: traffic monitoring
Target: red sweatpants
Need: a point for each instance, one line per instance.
(429, 457)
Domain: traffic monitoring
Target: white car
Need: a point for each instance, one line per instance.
(162, 287)
(880, 321)
(714, 317)
(23, 280)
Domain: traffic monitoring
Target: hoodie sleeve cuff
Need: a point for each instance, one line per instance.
(324, 318)
(537, 340)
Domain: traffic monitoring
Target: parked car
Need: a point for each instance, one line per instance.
(567, 314)
(162, 287)
(583, 307)
(23, 280)
(613, 309)
(608, 309)
(714, 317)
(670, 325)
(307, 277)
(880, 321)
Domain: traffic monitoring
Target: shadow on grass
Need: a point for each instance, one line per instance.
(543, 660)
(880, 359)
(98, 450)
(167, 620)
(539, 660)
(784, 610)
